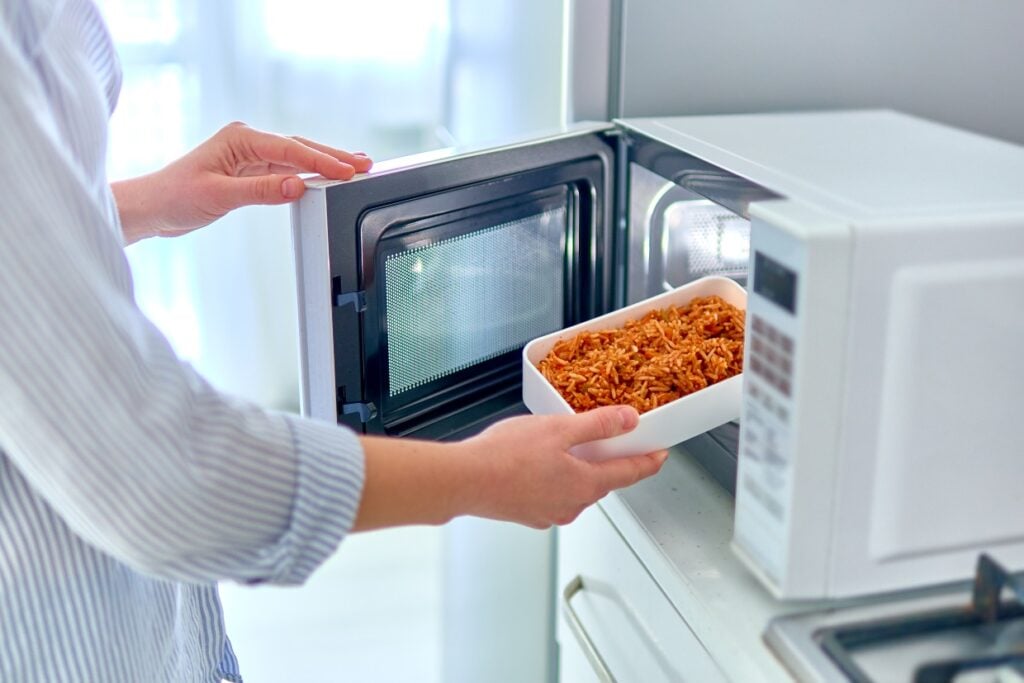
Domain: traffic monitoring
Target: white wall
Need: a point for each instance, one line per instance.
(504, 69)
(956, 61)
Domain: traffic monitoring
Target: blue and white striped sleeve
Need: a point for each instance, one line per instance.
(140, 455)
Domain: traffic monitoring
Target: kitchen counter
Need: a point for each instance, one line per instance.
(679, 524)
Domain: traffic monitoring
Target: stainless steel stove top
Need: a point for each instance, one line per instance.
(963, 633)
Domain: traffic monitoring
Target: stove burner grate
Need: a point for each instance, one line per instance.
(987, 613)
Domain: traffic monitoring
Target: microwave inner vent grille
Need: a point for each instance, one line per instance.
(715, 240)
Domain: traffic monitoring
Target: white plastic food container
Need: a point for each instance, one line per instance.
(666, 425)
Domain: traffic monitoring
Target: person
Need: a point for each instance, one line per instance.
(129, 486)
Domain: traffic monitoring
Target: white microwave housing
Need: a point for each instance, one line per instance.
(879, 447)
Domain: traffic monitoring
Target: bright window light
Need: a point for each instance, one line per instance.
(170, 304)
(140, 22)
(397, 31)
(148, 126)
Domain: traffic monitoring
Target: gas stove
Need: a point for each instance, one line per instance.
(964, 633)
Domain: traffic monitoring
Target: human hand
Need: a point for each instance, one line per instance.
(238, 166)
(517, 470)
(533, 479)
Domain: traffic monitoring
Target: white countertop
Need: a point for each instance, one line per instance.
(679, 523)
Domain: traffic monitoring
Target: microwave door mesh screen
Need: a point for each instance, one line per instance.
(464, 300)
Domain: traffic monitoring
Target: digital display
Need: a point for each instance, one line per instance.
(775, 282)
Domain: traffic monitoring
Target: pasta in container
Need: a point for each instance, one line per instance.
(676, 357)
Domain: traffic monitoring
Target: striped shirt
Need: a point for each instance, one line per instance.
(128, 485)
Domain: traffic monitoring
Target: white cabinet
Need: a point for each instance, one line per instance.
(610, 605)
(661, 595)
(573, 666)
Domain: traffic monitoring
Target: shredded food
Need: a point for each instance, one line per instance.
(665, 355)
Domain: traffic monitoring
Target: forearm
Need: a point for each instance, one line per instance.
(418, 482)
(519, 470)
(141, 205)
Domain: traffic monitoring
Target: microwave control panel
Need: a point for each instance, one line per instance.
(767, 435)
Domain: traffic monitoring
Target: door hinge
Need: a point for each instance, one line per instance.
(357, 299)
(365, 411)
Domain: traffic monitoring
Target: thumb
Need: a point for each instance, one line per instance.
(600, 423)
(262, 189)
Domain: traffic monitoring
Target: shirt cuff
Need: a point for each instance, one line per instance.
(330, 473)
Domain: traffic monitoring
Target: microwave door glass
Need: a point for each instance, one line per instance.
(454, 292)
(456, 302)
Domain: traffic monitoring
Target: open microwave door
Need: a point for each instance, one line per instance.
(419, 284)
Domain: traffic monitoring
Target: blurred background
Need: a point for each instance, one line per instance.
(391, 78)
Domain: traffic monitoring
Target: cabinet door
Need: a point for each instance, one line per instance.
(614, 617)
(573, 666)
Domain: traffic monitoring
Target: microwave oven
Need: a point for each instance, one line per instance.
(884, 261)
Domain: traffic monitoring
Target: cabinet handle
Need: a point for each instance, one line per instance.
(593, 656)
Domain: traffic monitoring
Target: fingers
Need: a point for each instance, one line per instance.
(291, 153)
(600, 423)
(620, 472)
(357, 160)
(264, 189)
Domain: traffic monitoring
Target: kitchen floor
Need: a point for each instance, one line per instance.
(372, 612)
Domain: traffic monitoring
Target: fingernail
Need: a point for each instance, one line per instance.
(291, 188)
(662, 457)
(629, 417)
